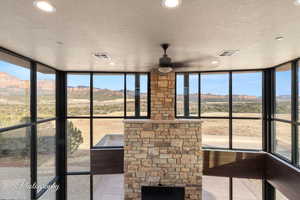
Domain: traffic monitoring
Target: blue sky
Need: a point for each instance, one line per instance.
(112, 82)
(243, 83)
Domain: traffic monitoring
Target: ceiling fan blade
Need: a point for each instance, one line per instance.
(179, 64)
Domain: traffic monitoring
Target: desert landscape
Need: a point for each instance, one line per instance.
(14, 109)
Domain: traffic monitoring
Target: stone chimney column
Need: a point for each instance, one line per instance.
(162, 96)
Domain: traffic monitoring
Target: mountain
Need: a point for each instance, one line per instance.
(8, 81)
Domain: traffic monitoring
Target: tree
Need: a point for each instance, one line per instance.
(74, 137)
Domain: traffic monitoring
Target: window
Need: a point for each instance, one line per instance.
(283, 139)
(78, 145)
(130, 95)
(108, 95)
(246, 134)
(283, 93)
(46, 152)
(144, 95)
(194, 95)
(187, 95)
(231, 106)
(109, 185)
(15, 163)
(211, 192)
(108, 132)
(247, 94)
(78, 95)
(45, 92)
(179, 95)
(78, 187)
(247, 110)
(231, 188)
(246, 189)
(215, 133)
(14, 91)
(215, 95)
(115, 96)
(136, 95)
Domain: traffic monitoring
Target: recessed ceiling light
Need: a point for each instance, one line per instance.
(112, 63)
(279, 38)
(297, 2)
(214, 62)
(171, 3)
(44, 6)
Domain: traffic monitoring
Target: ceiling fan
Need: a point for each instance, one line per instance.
(165, 62)
(166, 65)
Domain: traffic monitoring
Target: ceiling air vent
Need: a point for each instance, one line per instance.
(103, 56)
(228, 52)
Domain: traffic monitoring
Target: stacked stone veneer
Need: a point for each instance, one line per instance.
(162, 96)
(162, 150)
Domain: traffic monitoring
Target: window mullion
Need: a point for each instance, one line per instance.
(186, 95)
(33, 138)
(294, 113)
(230, 110)
(137, 95)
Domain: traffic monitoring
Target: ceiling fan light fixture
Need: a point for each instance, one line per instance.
(165, 70)
(171, 3)
(279, 38)
(44, 5)
(297, 2)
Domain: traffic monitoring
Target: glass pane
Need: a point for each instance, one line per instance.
(15, 164)
(247, 94)
(78, 95)
(246, 189)
(108, 132)
(144, 94)
(280, 196)
(246, 134)
(179, 95)
(109, 187)
(214, 94)
(130, 95)
(45, 92)
(50, 194)
(108, 94)
(78, 187)
(211, 192)
(193, 94)
(283, 92)
(283, 139)
(215, 133)
(14, 93)
(46, 152)
(78, 145)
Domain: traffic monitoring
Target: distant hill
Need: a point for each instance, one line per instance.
(15, 85)
(8, 81)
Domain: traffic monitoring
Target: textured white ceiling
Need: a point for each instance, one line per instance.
(131, 31)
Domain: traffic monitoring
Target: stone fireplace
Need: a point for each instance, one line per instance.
(162, 150)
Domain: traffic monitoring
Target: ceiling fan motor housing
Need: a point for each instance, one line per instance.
(165, 61)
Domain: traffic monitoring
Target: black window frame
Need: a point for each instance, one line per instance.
(91, 116)
(294, 113)
(230, 117)
(61, 118)
(34, 122)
